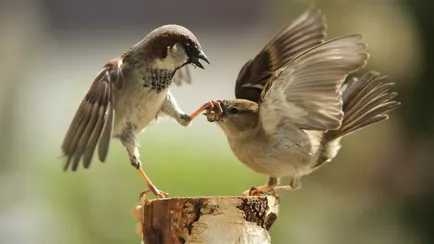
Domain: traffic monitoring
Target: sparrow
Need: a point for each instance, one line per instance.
(129, 93)
(295, 119)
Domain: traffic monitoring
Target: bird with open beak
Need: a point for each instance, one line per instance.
(288, 117)
(129, 93)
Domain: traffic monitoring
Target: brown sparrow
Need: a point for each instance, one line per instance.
(129, 93)
(303, 110)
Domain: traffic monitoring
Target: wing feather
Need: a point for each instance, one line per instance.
(305, 32)
(182, 75)
(306, 92)
(93, 122)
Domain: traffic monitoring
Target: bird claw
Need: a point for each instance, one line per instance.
(151, 188)
(157, 193)
(214, 106)
(161, 194)
(266, 190)
(259, 191)
(214, 110)
(208, 106)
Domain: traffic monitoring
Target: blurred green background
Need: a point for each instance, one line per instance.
(378, 190)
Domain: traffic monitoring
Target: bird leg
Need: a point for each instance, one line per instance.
(152, 188)
(208, 106)
(171, 108)
(272, 186)
(128, 139)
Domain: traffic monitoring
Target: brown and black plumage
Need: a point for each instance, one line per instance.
(129, 93)
(93, 121)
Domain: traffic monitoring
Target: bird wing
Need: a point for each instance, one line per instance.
(305, 32)
(93, 121)
(306, 92)
(182, 75)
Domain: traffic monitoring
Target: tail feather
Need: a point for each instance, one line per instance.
(366, 101)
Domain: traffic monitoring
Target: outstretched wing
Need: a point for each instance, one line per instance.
(93, 121)
(305, 32)
(306, 92)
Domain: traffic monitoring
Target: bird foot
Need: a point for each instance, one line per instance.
(152, 189)
(208, 106)
(265, 190)
(157, 193)
(214, 111)
(259, 191)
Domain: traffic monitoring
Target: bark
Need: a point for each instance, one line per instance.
(238, 220)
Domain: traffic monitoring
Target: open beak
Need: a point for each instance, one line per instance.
(203, 57)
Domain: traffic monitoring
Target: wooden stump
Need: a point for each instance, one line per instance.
(226, 220)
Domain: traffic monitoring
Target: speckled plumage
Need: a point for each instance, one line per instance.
(158, 79)
(129, 93)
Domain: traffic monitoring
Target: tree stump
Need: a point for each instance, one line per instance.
(228, 220)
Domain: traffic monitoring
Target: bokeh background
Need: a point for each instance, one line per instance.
(378, 190)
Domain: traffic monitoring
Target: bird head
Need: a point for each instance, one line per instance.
(173, 46)
(237, 118)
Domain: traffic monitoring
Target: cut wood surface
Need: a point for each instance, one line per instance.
(234, 219)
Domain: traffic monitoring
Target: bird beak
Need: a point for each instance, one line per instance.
(203, 57)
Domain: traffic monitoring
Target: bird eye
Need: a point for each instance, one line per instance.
(233, 110)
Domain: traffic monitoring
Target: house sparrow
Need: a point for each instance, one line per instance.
(129, 93)
(303, 111)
